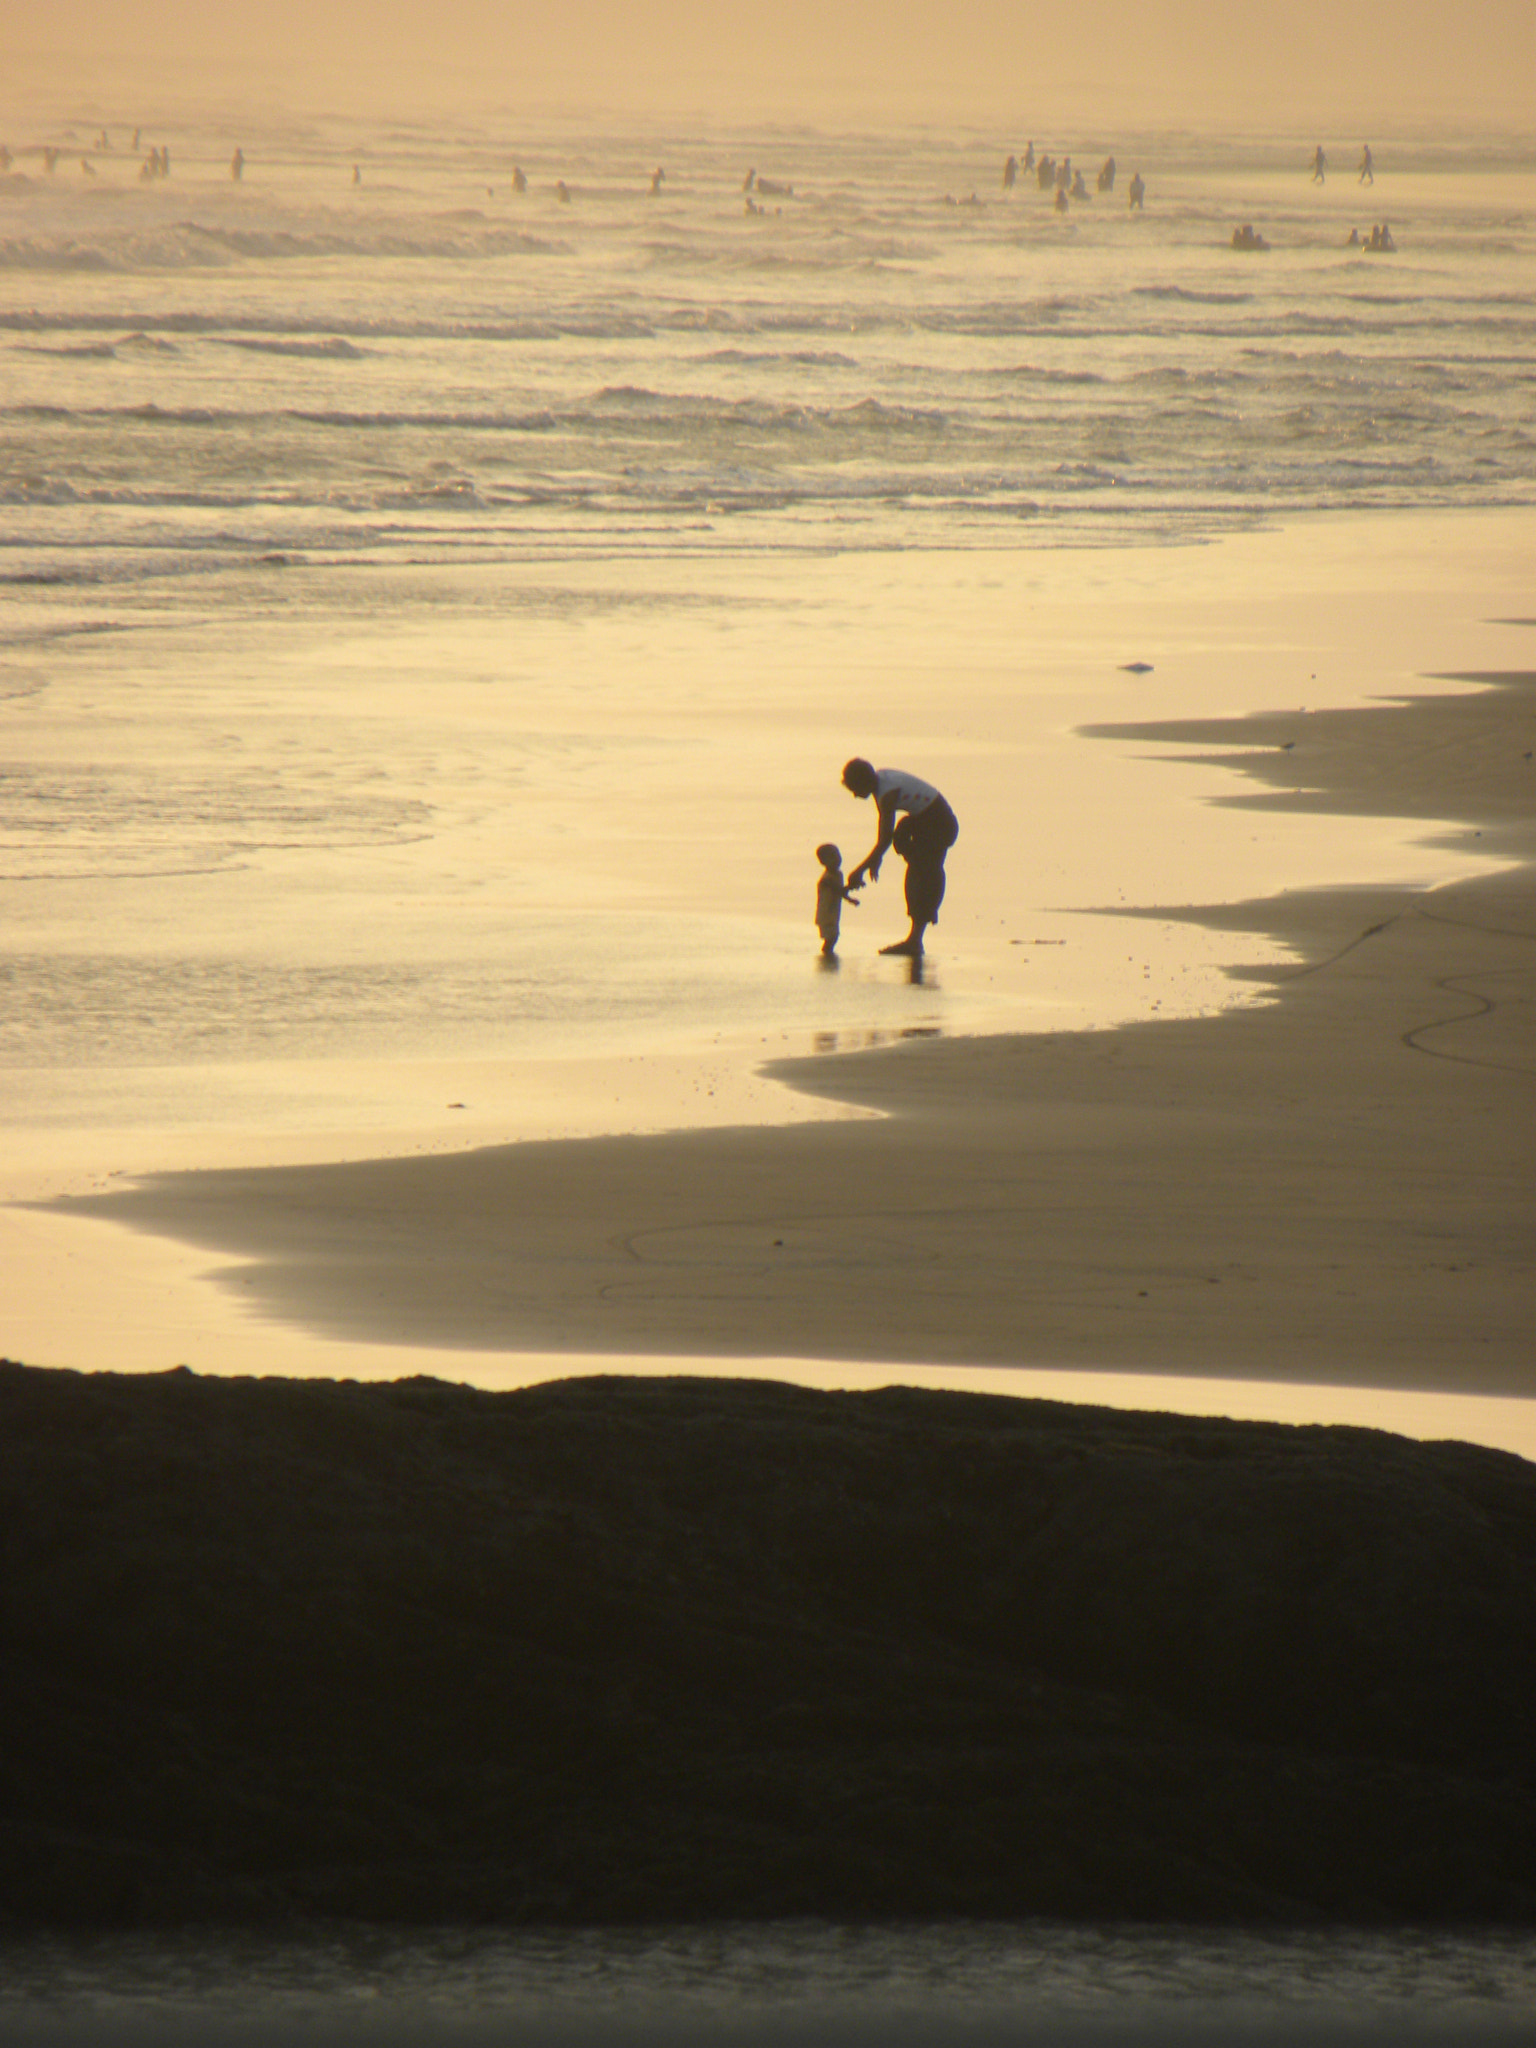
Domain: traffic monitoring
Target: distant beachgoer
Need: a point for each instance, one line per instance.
(916, 820)
(1061, 199)
(357, 174)
(832, 892)
(1319, 165)
(1010, 173)
(87, 167)
(1367, 167)
(749, 180)
(1107, 175)
(237, 165)
(1045, 173)
(562, 192)
(50, 160)
(1029, 156)
(1137, 191)
(1080, 186)
(656, 177)
(5, 159)
(134, 145)
(519, 179)
(1354, 239)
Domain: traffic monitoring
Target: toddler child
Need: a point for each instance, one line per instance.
(832, 892)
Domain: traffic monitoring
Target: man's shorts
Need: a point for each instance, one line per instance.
(922, 838)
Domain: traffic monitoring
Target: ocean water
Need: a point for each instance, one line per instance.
(399, 571)
(426, 365)
(790, 1982)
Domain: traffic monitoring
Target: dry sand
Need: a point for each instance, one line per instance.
(1334, 1186)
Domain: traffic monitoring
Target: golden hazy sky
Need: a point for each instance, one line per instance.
(1343, 68)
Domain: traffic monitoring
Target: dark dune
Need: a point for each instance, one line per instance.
(623, 1650)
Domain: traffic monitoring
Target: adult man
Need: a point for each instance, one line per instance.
(926, 830)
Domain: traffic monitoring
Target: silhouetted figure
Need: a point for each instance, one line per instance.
(656, 177)
(237, 165)
(1354, 239)
(916, 820)
(1319, 165)
(87, 167)
(519, 180)
(5, 159)
(1367, 167)
(134, 145)
(1045, 173)
(749, 181)
(832, 892)
(357, 174)
(1080, 186)
(1010, 173)
(1061, 199)
(1029, 157)
(1245, 238)
(1137, 192)
(1107, 175)
(50, 160)
(562, 192)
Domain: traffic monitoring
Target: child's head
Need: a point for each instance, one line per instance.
(829, 855)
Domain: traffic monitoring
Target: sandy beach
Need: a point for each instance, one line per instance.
(1328, 1183)
(536, 1403)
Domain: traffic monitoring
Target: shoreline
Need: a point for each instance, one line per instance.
(1330, 1186)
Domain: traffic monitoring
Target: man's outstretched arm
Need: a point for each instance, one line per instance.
(870, 864)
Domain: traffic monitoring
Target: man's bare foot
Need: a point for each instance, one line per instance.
(910, 949)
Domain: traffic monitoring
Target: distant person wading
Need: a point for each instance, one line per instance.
(916, 820)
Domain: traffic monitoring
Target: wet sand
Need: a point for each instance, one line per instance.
(1332, 1186)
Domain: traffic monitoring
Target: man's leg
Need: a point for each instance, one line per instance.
(924, 893)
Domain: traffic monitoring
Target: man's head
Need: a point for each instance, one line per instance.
(859, 777)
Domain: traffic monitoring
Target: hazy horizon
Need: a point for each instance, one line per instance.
(1411, 67)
